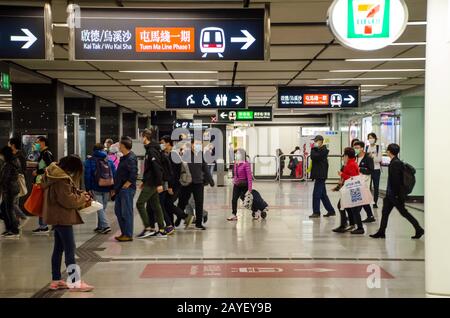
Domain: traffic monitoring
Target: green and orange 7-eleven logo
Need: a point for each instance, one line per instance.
(368, 18)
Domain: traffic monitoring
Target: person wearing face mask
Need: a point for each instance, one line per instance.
(319, 173)
(374, 151)
(107, 144)
(366, 165)
(151, 187)
(242, 181)
(44, 160)
(396, 195)
(200, 176)
(114, 154)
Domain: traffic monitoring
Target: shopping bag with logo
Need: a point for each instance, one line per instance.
(34, 202)
(94, 207)
(355, 192)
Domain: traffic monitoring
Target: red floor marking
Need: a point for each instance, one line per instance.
(260, 270)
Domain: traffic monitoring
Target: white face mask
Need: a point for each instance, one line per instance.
(238, 156)
(162, 146)
(316, 145)
(371, 141)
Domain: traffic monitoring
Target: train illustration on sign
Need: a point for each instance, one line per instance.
(212, 40)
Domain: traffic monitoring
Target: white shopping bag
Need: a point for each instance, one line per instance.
(355, 192)
(94, 207)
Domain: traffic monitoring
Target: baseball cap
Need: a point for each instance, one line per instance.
(317, 138)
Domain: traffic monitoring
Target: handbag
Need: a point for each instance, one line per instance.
(355, 192)
(94, 207)
(34, 202)
(23, 191)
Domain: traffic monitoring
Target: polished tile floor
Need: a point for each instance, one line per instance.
(287, 255)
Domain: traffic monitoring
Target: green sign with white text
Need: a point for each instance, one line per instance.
(250, 114)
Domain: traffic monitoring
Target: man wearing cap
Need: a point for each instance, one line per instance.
(319, 173)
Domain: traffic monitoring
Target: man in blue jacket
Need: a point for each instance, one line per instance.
(91, 181)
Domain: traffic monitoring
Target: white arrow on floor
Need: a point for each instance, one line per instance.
(29, 38)
(248, 40)
(223, 115)
(350, 99)
(237, 100)
(317, 270)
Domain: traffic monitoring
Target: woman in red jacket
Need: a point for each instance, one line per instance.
(350, 169)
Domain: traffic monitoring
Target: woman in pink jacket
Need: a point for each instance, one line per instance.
(242, 180)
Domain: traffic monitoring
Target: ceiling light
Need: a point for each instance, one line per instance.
(5, 95)
(173, 72)
(380, 70)
(417, 23)
(155, 92)
(394, 59)
(373, 85)
(172, 80)
(409, 43)
(154, 86)
(7, 98)
(361, 78)
(366, 90)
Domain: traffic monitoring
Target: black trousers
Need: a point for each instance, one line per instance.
(346, 215)
(388, 204)
(170, 207)
(238, 192)
(376, 175)
(368, 210)
(8, 214)
(197, 190)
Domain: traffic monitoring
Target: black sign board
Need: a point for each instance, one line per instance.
(318, 96)
(23, 33)
(168, 34)
(189, 124)
(249, 114)
(205, 97)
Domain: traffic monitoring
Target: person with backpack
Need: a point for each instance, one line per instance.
(99, 174)
(151, 187)
(194, 175)
(401, 181)
(44, 160)
(62, 199)
(9, 190)
(374, 151)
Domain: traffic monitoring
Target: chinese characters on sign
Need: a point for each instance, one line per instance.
(106, 39)
(318, 96)
(165, 40)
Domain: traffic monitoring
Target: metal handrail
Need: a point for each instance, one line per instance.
(264, 156)
(291, 179)
(308, 158)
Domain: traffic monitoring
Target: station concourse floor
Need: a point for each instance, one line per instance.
(286, 255)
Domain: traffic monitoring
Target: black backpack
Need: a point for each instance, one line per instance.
(103, 173)
(409, 177)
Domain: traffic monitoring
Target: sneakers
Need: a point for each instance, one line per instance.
(233, 217)
(419, 234)
(58, 284)
(264, 213)
(256, 215)
(96, 230)
(159, 234)
(82, 287)
(188, 220)
(123, 238)
(357, 231)
(205, 216)
(200, 228)
(369, 220)
(11, 235)
(350, 228)
(4, 233)
(178, 220)
(314, 216)
(329, 214)
(106, 230)
(145, 233)
(169, 230)
(41, 230)
(378, 235)
(340, 229)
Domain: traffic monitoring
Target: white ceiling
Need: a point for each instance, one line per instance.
(302, 51)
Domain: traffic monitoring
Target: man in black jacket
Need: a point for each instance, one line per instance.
(44, 160)
(319, 173)
(200, 176)
(152, 185)
(366, 167)
(396, 195)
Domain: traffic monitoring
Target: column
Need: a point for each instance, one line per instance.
(129, 121)
(437, 152)
(110, 123)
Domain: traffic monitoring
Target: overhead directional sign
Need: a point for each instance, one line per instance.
(205, 97)
(168, 34)
(189, 124)
(23, 33)
(318, 96)
(249, 114)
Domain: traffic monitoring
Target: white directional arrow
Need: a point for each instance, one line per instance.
(237, 100)
(248, 40)
(223, 115)
(29, 38)
(317, 270)
(350, 99)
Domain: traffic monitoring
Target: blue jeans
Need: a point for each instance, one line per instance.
(320, 194)
(103, 198)
(124, 211)
(64, 243)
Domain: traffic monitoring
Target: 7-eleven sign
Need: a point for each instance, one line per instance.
(368, 18)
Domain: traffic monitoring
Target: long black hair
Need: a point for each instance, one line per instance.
(73, 166)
